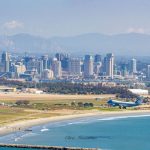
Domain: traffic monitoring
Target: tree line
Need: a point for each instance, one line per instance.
(71, 88)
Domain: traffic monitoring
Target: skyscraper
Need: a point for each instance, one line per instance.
(97, 68)
(56, 67)
(124, 69)
(5, 61)
(40, 67)
(97, 64)
(110, 65)
(47, 74)
(148, 71)
(31, 64)
(75, 66)
(88, 66)
(133, 66)
(45, 61)
(97, 58)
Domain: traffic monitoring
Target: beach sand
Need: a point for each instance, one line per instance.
(25, 124)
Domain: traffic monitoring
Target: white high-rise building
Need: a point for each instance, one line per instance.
(110, 65)
(133, 66)
(47, 74)
(148, 71)
(75, 66)
(88, 66)
(56, 67)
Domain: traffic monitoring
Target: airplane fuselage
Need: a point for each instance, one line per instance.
(122, 104)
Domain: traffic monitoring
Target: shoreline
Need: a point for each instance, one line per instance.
(23, 125)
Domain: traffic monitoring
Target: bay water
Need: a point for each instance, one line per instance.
(107, 133)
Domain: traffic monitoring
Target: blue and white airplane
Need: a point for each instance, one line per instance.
(124, 105)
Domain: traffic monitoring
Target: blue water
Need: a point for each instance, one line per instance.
(4, 148)
(110, 133)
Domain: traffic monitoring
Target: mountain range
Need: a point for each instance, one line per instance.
(134, 44)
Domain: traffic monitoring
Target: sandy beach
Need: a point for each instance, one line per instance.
(25, 124)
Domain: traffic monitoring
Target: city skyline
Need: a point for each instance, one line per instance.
(62, 67)
(67, 67)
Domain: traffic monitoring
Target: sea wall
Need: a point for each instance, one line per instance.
(44, 147)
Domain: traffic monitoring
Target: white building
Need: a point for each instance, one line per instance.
(148, 71)
(139, 91)
(88, 66)
(56, 67)
(133, 66)
(47, 74)
(110, 65)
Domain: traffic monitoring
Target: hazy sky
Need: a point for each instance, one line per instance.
(71, 17)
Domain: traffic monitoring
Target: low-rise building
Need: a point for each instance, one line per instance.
(139, 91)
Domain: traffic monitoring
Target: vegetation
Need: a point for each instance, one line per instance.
(22, 102)
(70, 88)
(85, 105)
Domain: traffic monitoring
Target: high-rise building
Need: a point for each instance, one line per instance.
(148, 71)
(97, 58)
(97, 68)
(64, 58)
(26, 60)
(45, 61)
(75, 66)
(40, 67)
(110, 65)
(133, 66)
(31, 64)
(47, 74)
(56, 67)
(5, 61)
(104, 65)
(59, 56)
(123, 68)
(88, 66)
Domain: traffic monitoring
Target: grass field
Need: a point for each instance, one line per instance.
(47, 105)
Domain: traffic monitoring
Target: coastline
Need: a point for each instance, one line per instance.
(22, 125)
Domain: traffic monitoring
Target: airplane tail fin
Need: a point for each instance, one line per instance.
(138, 101)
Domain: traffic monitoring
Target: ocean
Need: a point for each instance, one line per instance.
(106, 133)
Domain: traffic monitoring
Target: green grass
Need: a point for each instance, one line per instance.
(58, 104)
(36, 108)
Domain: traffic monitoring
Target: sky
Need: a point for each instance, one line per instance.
(49, 18)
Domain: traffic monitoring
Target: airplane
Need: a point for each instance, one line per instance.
(124, 105)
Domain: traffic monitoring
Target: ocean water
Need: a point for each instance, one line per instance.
(106, 133)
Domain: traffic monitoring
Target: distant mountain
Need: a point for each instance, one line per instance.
(121, 44)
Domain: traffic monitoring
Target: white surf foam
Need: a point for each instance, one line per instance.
(44, 130)
(123, 117)
(17, 139)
